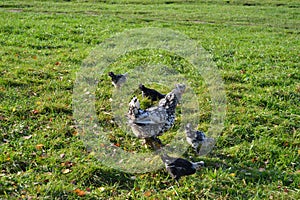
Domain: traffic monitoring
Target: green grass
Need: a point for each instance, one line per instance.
(255, 46)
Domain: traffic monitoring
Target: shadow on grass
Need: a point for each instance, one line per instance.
(253, 174)
(11, 167)
(108, 177)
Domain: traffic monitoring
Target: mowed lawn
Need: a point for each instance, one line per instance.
(255, 46)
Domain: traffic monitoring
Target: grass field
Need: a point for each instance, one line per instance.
(255, 45)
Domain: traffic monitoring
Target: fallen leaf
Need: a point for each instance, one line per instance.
(279, 186)
(298, 151)
(66, 171)
(79, 192)
(75, 133)
(147, 193)
(27, 137)
(35, 112)
(242, 71)
(69, 164)
(254, 159)
(232, 174)
(39, 146)
(57, 63)
(102, 145)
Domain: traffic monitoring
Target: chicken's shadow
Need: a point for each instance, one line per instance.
(99, 177)
(253, 173)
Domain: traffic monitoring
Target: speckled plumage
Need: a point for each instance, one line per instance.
(169, 102)
(194, 137)
(154, 121)
(146, 123)
(178, 167)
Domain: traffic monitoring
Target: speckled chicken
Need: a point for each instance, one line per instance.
(154, 121)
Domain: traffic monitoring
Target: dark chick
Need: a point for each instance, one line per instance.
(117, 79)
(196, 138)
(178, 167)
(151, 93)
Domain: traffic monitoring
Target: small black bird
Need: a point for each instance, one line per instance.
(194, 137)
(151, 93)
(178, 167)
(117, 79)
